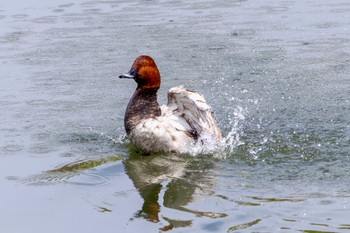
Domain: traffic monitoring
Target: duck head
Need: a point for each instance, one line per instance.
(145, 72)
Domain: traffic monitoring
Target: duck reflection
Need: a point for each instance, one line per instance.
(171, 181)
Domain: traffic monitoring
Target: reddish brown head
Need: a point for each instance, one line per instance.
(145, 72)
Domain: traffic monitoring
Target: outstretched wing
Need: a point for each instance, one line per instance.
(190, 106)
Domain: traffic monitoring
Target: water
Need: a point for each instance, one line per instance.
(277, 75)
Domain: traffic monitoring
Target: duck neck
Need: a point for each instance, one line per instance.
(142, 105)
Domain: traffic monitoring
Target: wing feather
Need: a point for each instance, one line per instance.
(188, 105)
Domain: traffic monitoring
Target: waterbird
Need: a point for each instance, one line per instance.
(185, 125)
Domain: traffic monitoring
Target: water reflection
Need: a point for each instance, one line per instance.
(78, 173)
(170, 182)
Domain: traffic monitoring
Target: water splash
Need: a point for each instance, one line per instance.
(120, 139)
(230, 141)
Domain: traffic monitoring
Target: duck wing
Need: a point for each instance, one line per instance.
(190, 107)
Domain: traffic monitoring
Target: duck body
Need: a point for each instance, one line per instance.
(185, 123)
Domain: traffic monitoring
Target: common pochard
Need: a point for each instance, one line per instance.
(185, 124)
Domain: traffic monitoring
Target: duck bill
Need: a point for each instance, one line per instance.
(126, 75)
(130, 75)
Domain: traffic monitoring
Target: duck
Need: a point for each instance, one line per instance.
(184, 125)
